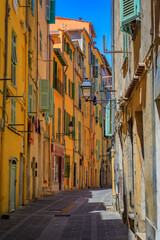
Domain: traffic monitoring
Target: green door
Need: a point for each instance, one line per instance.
(12, 197)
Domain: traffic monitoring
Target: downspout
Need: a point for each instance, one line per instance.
(113, 87)
(2, 172)
(5, 73)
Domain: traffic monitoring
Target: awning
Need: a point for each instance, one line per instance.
(60, 56)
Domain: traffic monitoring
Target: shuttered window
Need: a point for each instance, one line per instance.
(53, 122)
(73, 90)
(13, 59)
(68, 48)
(59, 124)
(129, 10)
(79, 133)
(70, 53)
(73, 121)
(52, 13)
(44, 93)
(13, 111)
(47, 9)
(108, 120)
(30, 99)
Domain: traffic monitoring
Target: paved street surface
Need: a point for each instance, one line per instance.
(76, 215)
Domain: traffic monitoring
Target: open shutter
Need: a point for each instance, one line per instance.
(30, 99)
(129, 11)
(73, 121)
(108, 120)
(33, 4)
(73, 90)
(52, 13)
(44, 92)
(51, 102)
(68, 48)
(47, 9)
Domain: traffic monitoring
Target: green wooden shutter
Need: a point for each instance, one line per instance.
(53, 122)
(73, 90)
(59, 124)
(47, 9)
(69, 87)
(70, 53)
(79, 131)
(129, 11)
(51, 99)
(52, 13)
(44, 92)
(73, 121)
(68, 48)
(13, 111)
(30, 99)
(108, 131)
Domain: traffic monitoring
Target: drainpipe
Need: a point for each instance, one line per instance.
(113, 77)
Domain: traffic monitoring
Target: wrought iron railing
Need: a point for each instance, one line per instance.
(58, 85)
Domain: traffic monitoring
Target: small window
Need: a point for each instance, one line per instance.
(13, 59)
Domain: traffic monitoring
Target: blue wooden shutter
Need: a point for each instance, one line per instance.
(47, 9)
(52, 13)
(30, 99)
(44, 92)
(129, 11)
(33, 4)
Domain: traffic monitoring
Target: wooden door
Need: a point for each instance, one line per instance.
(12, 197)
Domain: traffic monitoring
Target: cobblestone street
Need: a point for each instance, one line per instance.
(66, 216)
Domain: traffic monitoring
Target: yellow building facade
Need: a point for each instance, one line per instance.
(13, 104)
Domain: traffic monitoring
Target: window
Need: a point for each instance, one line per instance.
(44, 93)
(13, 111)
(68, 48)
(13, 59)
(47, 9)
(70, 53)
(40, 42)
(73, 90)
(79, 133)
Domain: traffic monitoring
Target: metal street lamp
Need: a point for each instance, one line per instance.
(70, 129)
(86, 89)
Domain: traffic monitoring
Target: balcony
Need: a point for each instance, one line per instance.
(58, 85)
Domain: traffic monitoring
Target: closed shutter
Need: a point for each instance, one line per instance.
(59, 124)
(73, 121)
(51, 103)
(129, 11)
(47, 9)
(52, 13)
(53, 122)
(13, 111)
(73, 90)
(70, 53)
(30, 99)
(44, 92)
(79, 130)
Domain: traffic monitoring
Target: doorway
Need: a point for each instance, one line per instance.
(13, 181)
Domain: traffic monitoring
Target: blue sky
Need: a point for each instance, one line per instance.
(97, 12)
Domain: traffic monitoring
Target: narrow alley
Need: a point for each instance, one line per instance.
(68, 215)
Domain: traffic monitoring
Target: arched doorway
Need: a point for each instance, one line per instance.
(12, 186)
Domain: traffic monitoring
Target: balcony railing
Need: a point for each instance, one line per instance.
(58, 85)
